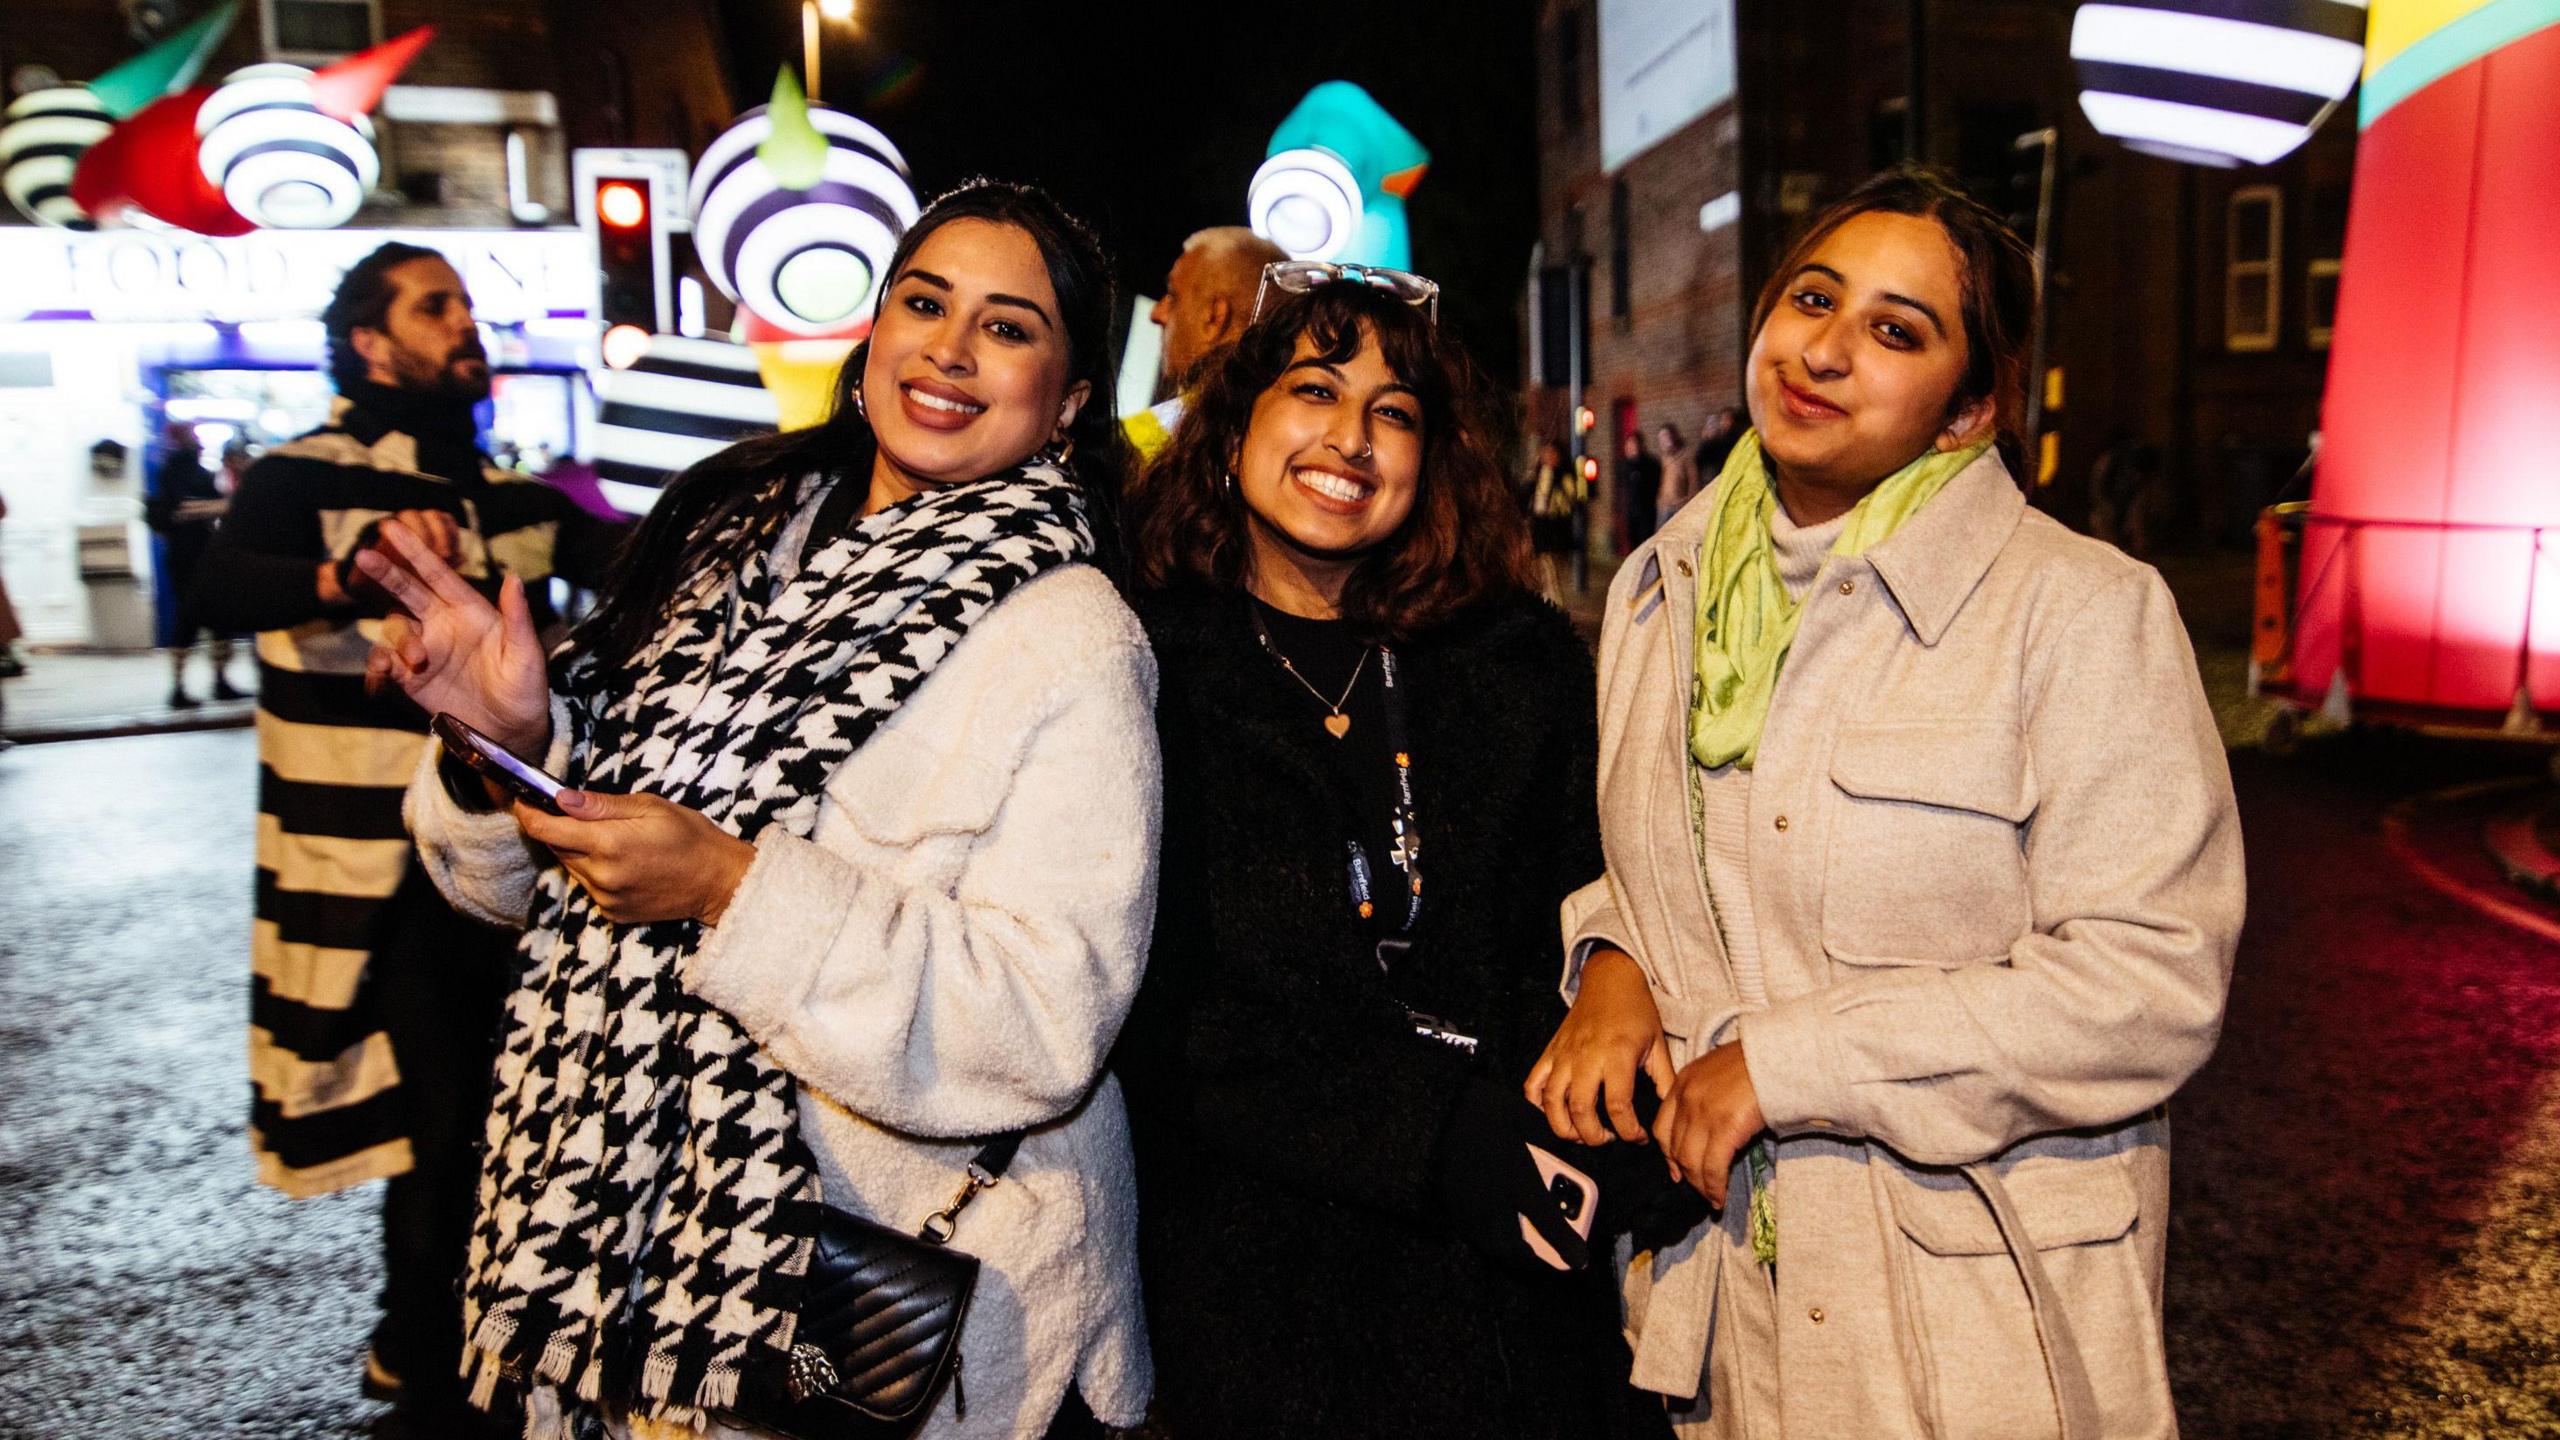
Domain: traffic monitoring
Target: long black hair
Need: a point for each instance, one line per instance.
(722, 509)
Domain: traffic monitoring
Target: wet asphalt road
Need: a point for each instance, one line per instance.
(2367, 1175)
(149, 1286)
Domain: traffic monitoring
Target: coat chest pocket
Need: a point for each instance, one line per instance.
(1926, 863)
(918, 807)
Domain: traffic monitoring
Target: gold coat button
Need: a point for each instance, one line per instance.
(1814, 1314)
(1848, 587)
(1782, 822)
(1683, 565)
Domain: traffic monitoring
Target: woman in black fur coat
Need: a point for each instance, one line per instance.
(1378, 749)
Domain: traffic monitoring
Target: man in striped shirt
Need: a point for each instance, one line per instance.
(373, 1005)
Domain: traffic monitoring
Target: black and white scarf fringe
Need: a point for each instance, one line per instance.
(645, 1201)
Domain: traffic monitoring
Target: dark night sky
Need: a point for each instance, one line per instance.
(1148, 117)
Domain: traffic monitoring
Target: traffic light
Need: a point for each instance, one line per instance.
(628, 202)
(626, 254)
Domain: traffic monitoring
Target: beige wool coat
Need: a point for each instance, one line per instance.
(1995, 871)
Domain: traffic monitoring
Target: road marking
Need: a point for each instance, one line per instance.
(2395, 833)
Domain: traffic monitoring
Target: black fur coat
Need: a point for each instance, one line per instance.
(1301, 1277)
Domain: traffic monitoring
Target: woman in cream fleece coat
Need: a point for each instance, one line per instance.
(947, 957)
(857, 863)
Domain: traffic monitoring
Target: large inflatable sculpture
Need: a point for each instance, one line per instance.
(1335, 184)
(2229, 83)
(796, 211)
(45, 133)
(2430, 569)
(274, 145)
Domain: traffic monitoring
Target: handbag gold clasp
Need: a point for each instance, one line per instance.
(945, 1222)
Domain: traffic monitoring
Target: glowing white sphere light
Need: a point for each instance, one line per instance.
(1306, 202)
(279, 159)
(807, 260)
(43, 134)
(2245, 84)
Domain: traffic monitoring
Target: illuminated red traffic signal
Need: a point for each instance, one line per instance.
(627, 254)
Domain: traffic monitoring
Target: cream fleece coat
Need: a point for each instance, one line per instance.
(950, 955)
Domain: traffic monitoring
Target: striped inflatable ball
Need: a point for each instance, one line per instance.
(682, 402)
(277, 157)
(2225, 83)
(805, 259)
(43, 134)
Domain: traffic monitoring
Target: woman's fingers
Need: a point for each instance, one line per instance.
(1534, 1089)
(1620, 1087)
(434, 576)
(403, 586)
(517, 616)
(1657, 1065)
(1553, 1102)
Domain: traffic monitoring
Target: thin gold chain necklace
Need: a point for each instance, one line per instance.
(1336, 724)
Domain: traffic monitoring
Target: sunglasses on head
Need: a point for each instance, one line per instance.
(1300, 276)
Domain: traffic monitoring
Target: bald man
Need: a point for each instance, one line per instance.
(1208, 300)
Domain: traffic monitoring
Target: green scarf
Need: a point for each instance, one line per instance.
(1746, 618)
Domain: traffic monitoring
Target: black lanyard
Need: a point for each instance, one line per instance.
(1403, 821)
(1405, 824)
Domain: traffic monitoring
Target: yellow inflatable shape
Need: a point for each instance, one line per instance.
(802, 376)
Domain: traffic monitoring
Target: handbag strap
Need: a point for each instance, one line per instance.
(985, 1169)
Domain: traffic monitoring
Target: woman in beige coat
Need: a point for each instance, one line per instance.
(1923, 883)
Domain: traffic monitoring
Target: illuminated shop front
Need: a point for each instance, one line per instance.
(108, 337)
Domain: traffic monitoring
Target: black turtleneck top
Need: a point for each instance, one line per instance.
(1330, 654)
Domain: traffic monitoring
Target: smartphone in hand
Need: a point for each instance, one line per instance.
(493, 761)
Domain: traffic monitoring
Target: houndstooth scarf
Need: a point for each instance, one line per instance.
(644, 1202)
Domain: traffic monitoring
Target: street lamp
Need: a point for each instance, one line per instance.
(811, 12)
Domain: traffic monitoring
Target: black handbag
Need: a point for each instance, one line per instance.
(879, 1328)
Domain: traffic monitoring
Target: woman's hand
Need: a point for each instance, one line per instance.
(1612, 1029)
(454, 651)
(1708, 1115)
(643, 858)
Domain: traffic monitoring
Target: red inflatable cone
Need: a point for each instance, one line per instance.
(353, 86)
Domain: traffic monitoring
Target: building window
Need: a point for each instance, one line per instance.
(2319, 302)
(319, 29)
(1568, 53)
(2326, 241)
(1621, 251)
(2252, 292)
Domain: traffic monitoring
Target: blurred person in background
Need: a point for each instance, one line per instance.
(1639, 490)
(186, 503)
(1679, 473)
(373, 1005)
(1208, 298)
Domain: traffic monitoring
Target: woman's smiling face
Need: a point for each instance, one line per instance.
(1332, 458)
(968, 369)
(1854, 373)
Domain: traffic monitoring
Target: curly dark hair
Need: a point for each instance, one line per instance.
(1465, 541)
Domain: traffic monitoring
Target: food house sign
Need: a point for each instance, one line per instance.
(134, 276)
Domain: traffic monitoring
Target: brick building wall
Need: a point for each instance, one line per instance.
(2136, 320)
(1666, 304)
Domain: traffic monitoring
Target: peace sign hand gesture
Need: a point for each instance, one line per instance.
(453, 651)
